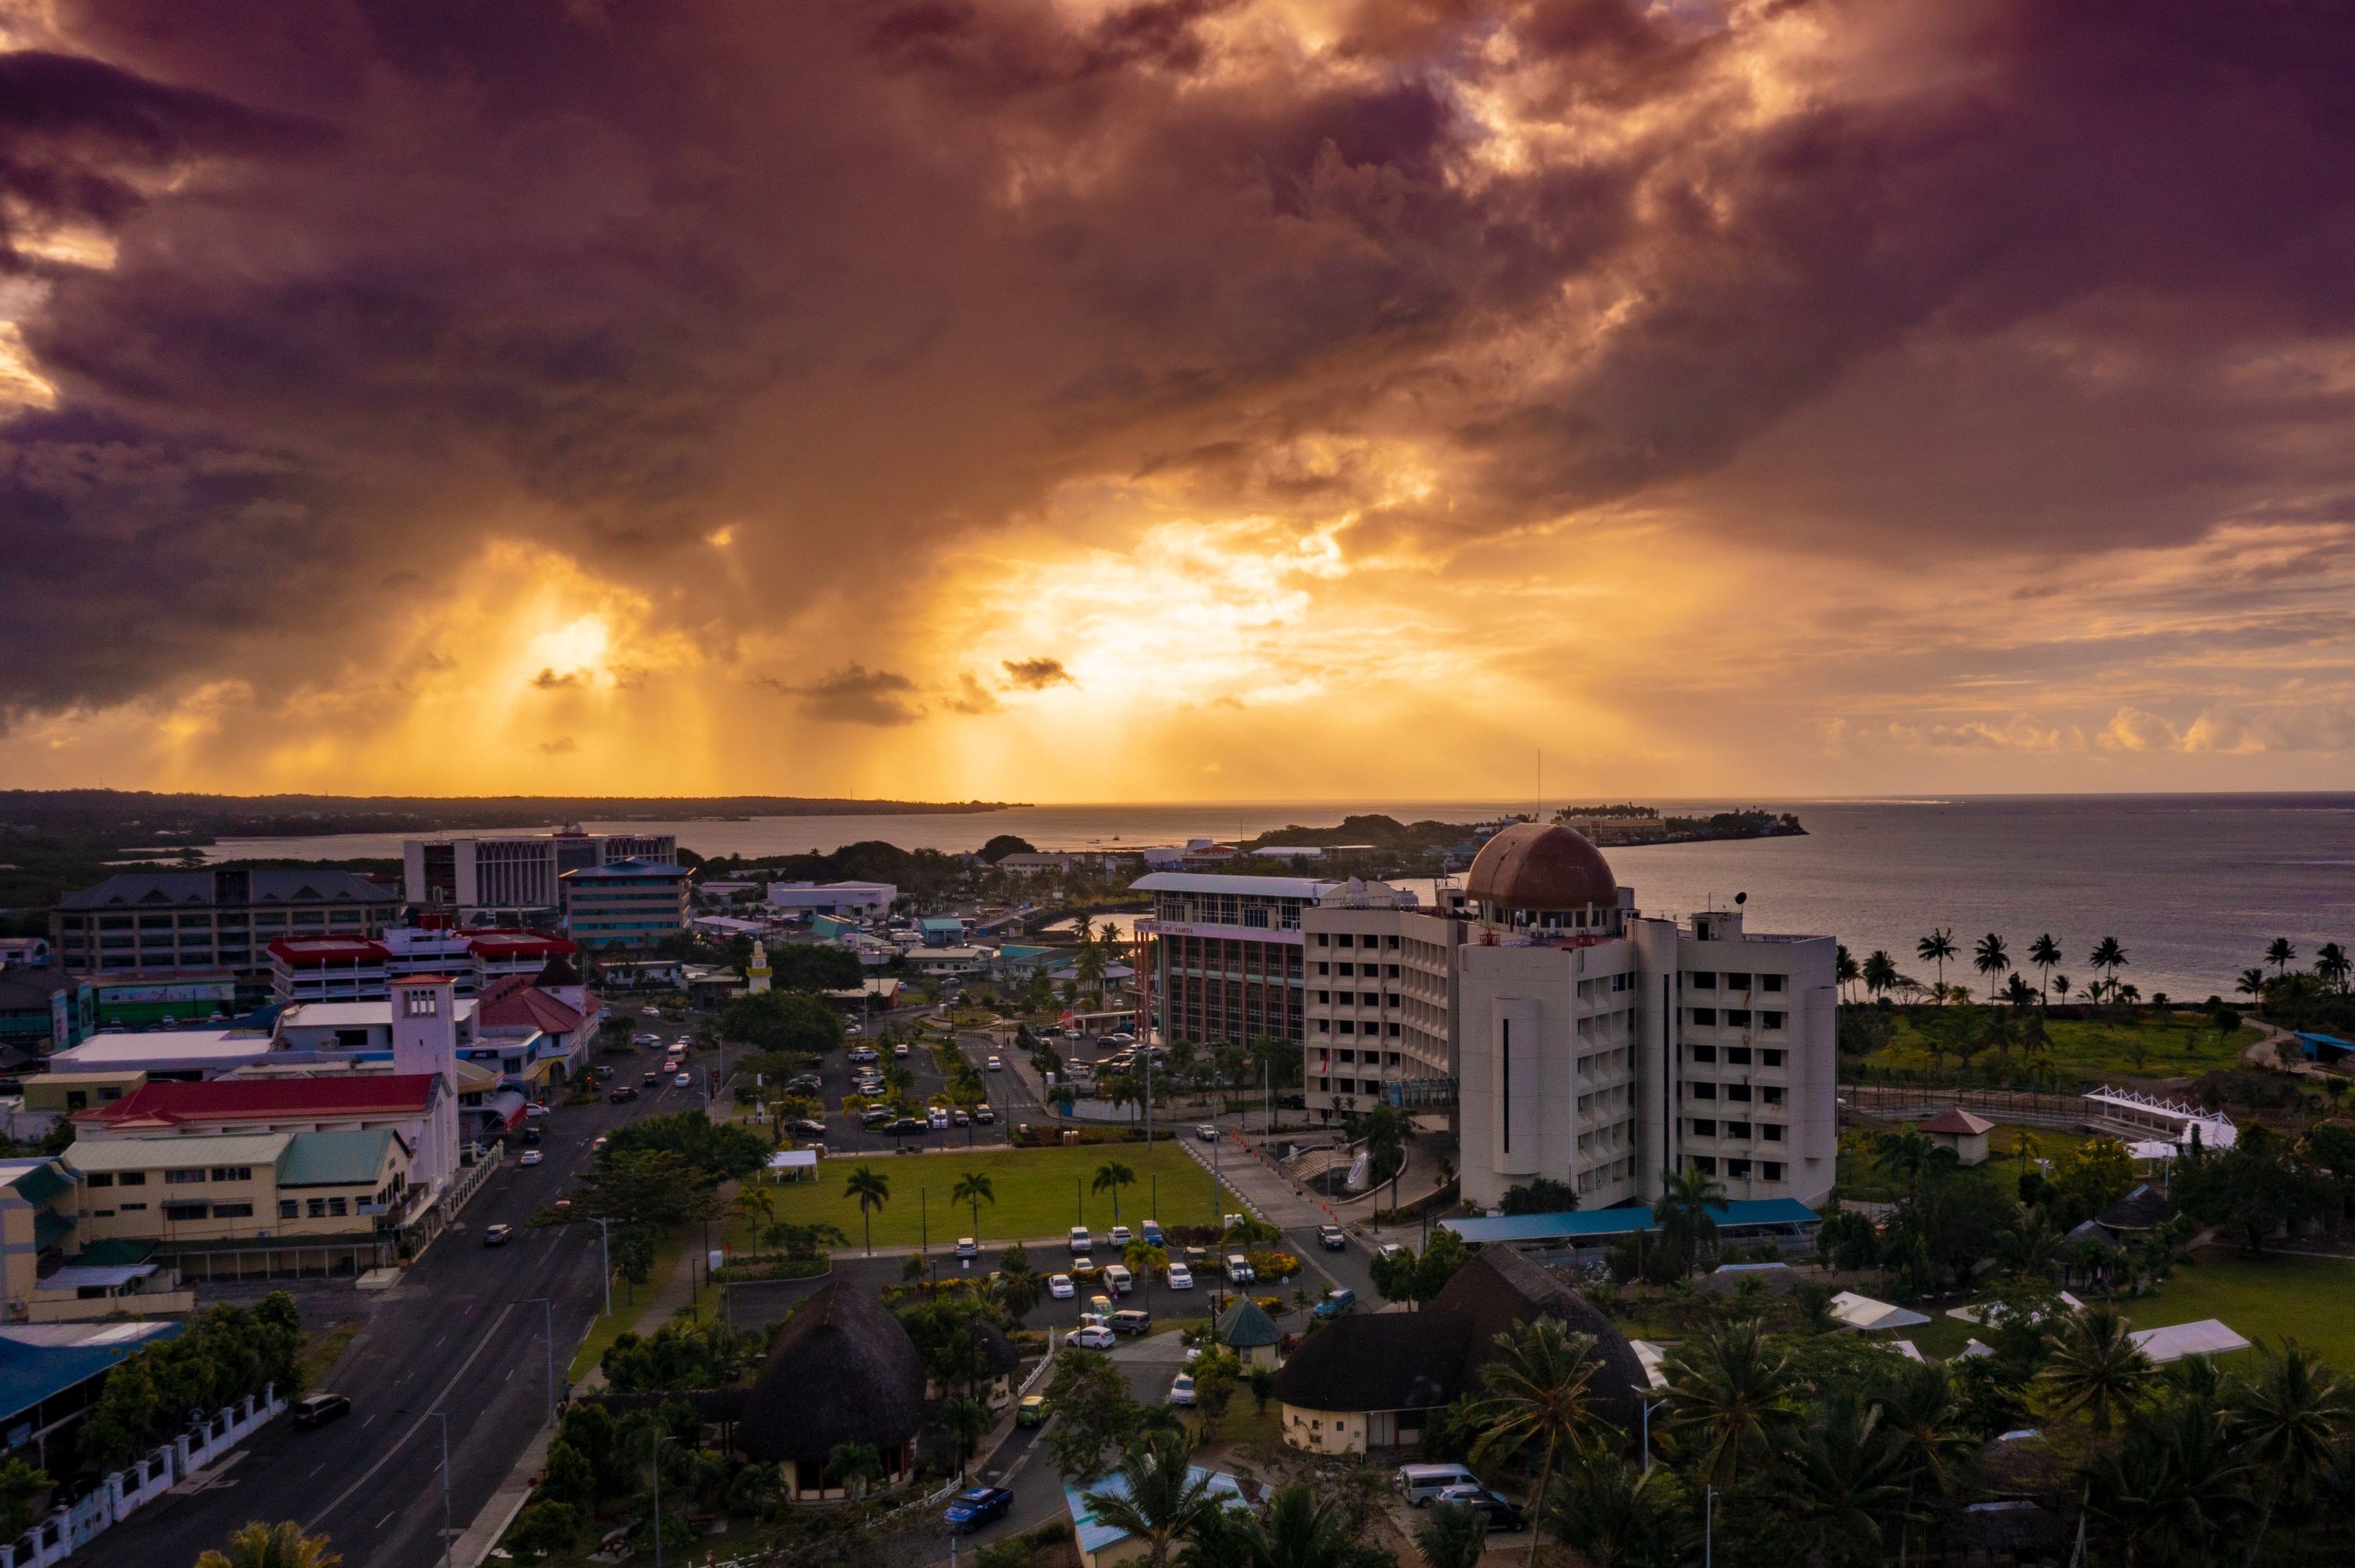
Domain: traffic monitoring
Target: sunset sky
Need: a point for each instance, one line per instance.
(1061, 400)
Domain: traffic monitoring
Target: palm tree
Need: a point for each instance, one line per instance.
(1681, 1211)
(281, 1545)
(1300, 1530)
(1617, 1516)
(2109, 958)
(2045, 954)
(870, 1189)
(975, 1187)
(1111, 1177)
(1540, 1404)
(2288, 1425)
(1991, 957)
(1453, 1536)
(1937, 947)
(2061, 984)
(1732, 1392)
(2096, 1369)
(2331, 966)
(2171, 1491)
(1838, 1480)
(2018, 992)
(1880, 973)
(964, 1418)
(1386, 1130)
(2281, 954)
(1163, 1496)
(1924, 1419)
(1845, 970)
(854, 1464)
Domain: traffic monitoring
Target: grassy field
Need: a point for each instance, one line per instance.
(1041, 1192)
(2309, 1300)
(2093, 1050)
(324, 1347)
(629, 1302)
(1861, 1175)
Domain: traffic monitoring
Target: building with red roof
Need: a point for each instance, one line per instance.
(344, 1102)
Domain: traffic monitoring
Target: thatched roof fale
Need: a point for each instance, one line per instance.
(842, 1370)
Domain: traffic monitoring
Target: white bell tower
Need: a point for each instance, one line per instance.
(425, 1040)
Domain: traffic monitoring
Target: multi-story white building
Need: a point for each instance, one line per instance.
(515, 879)
(1601, 1047)
(863, 899)
(1379, 998)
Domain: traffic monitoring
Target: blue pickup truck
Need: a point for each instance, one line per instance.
(1337, 1302)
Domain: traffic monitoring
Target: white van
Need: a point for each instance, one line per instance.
(1238, 1269)
(1421, 1483)
(1116, 1278)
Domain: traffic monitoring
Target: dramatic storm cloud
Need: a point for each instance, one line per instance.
(1057, 398)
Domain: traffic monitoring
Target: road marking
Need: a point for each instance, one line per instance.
(315, 1470)
(386, 1519)
(395, 1447)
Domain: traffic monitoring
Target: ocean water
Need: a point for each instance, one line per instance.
(2194, 886)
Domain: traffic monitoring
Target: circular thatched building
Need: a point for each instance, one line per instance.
(842, 1370)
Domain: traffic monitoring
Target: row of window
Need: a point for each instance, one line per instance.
(1735, 1056)
(1737, 1170)
(1731, 979)
(1698, 1089)
(1345, 939)
(1349, 1026)
(1706, 1127)
(1371, 971)
(1356, 999)
(1345, 1056)
(1731, 1018)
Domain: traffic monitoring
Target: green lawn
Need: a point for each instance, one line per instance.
(2093, 1050)
(1861, 1177)
(1041, 1192)
(2309, 1300)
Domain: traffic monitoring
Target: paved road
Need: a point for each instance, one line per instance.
(458, 1336)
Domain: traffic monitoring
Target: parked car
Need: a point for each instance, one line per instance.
(1207, 1133)
(1091, 1338)
(1336, 1301)
(1181, 1389)
(984, 1115)
(1120, 1236)
(1502, 1515)
(1081, 1240)
(1421, 1483)
(899, 1048)
(1032, 1411)
(1334, 1238)
(1390, 1249)
(1101, 1306)
(967, 1247)
(535, 1110)
(971, 1510)
(531, 1157)
(906, 1126)
(1180, 1277)
(959, 1118)
(1132, 1322)
(597, 1144)
(319, 1409)
(1152, 1231)
(497, 1235)
(623, 1095)
(806, 1127)
(875, 1116)
(1061, 1287)
(1238, 1269)
(1117, 1279)
(937, 1119)
(685, 1081)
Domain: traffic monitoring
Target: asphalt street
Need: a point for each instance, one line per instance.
(462, 1341)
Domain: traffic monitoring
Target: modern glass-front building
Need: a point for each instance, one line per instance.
(629, 903)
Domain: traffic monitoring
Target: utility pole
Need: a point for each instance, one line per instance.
(444, 1418)
(549, 1340)
(605, 1249)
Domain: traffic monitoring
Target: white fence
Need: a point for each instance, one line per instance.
(70, 1528)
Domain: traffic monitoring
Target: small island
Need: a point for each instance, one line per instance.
(1376, 844)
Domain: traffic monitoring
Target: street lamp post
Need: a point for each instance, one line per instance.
(605, 1249)
(1647, 1405)
(444, 1418)
(547, 1340)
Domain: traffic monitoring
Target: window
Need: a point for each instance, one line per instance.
(1704, 1163)
(1702, 1091)
(335, 1206)
(1704, 1053)
(101, 1178)
(317, 1207)
(1738, 1170)
(1702, 980)
(132, 1178)
(1325, 998)
(1737, 1018)
(1770, 1021)
(77, 1099)
(134, 1208)
(1322, 966)
(1737, 982)
(181, 1178)
(1770, 1058)
(1393, 1029)
(1773, 1169)
(1773, 1129)
(1771, 982)
(1737, 1130)
(1737, 1055)
(1737, 1091)
(1706, 1017)
(232, 1173)
(1704, 1127)
(289, 1208)
(1343, 940)
(184, 1211)
(232, 1211)
(1324, 1026)
(419, 1004)
(1322, 942)
(1771, 1095)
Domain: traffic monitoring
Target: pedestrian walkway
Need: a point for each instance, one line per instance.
(1264, 1189)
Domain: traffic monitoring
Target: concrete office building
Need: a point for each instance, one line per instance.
(515, 879)
(1227, 961)
(1601, 1047)
(863, 899)
(628, 903)
(163, 926)
(1380, 1001)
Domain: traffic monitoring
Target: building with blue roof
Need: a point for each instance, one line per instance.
(50, 1373)
(1105, 1545)
(1784, 1220)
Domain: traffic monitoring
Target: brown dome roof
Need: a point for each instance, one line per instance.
(1532, 866)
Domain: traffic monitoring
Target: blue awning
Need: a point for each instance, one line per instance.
(1595, 1224)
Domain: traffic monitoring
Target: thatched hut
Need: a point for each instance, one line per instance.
(842, 1370)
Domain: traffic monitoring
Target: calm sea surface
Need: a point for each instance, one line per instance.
(2194, 886)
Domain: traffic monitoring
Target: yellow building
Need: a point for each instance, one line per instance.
(233, 1205)
(62, 1093)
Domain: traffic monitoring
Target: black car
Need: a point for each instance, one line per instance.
(806, 1128)
(908, 1124)
(623, 1095)
(528, 1137)
(1502, 1515)
(651, 1080)
(321, 1408)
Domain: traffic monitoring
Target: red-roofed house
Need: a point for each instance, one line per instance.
(327, 969)
(531, 1032)
(1961, 1131)
(349, 1101)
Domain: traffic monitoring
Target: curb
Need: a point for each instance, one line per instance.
(473, 1544)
